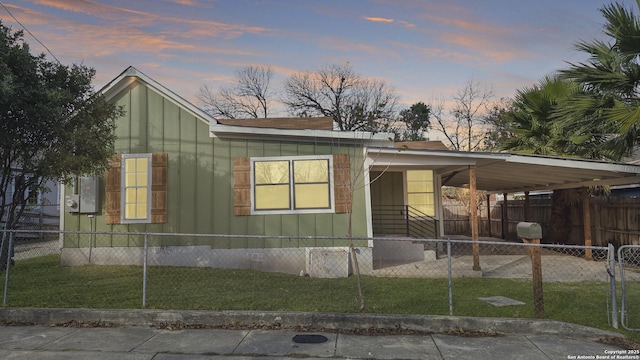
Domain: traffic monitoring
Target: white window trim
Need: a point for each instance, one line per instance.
(123, 193)
(332, 207)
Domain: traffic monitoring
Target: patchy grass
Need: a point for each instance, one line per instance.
(41, 282)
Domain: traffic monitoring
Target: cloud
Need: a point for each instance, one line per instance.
(379, 19)
(388, 21)
(429, 52)
(193, 3)
(140, 19)
(129, 32)
(490, 49)
(473, 26)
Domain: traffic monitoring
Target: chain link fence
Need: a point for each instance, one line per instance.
(317, 274)
(629, 261)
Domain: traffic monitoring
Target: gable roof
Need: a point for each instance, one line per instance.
(131, 75)
(296, 132)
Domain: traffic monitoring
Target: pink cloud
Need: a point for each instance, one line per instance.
(491, 48)
(378, 19)
(141, 18)
(388, 21)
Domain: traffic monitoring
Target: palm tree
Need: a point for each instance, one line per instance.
(531, 121)
(537, 123)
(537, 129)
(610, 81)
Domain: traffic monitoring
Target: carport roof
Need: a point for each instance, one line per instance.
(507, 173)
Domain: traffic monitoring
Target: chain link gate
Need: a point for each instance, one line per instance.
(629, 260)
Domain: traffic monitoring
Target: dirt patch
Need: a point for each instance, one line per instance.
(620, 342)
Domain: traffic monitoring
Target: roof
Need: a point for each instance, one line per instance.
(302, 129)
(508, 173)
(300, 123)
(131, 74)
(422, 145)
(495, 172)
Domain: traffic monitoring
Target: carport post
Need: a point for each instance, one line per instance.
(474, 217)
(586, 217)
(489, 214)
(505, 217)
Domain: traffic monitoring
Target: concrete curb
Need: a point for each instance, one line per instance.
(426, 323)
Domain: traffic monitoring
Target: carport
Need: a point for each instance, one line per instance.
(506, 173)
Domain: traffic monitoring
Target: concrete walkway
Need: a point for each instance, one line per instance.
(142, 343)
(121, 338)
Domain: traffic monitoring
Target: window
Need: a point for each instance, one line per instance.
(420, 192)
(136, 189)
(301, 184)
(33, 194)
(28, 184)
(136, 180)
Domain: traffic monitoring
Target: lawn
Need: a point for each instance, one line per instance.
(41, 282)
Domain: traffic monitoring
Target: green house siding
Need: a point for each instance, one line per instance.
(200, 182)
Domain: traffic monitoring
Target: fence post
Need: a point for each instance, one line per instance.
(8, 268)
(449, 275)
(40, 224)
(144, 270)
(611, 270)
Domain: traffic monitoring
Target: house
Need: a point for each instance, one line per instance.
(178, 170)
(42, 208)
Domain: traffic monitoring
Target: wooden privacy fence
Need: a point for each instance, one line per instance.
(614, 220)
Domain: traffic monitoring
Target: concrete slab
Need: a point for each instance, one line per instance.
(566, 348)
(103, 339)
(210, 342)
(472, 348)
(187, 357)
(70, 355)
(280, 343)
(387, 347)
(222, 357)
(500, 301)
(31, 337)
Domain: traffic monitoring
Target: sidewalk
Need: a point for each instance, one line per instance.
(143, 342)
(136, 343)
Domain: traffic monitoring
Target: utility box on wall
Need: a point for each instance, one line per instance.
(86, 201)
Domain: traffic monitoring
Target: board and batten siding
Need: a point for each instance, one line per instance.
(200, 182)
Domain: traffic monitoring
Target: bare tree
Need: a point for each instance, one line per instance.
(463, 126)
(248, 97)
(354, 102)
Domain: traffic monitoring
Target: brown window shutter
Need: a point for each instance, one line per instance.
(241, 186)
(112, 191)
(159, 163)
(342, 183)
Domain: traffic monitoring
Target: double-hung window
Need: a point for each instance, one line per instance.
(420, 191)
(136, 189)
(136, 194)
(296, 185)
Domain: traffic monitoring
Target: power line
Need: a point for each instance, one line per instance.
(29, 32)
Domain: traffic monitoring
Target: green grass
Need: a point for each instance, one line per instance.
(41, 282)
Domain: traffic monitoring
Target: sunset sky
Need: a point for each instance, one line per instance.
(425, 49)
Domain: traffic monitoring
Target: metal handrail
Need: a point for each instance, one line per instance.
(403, 220)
